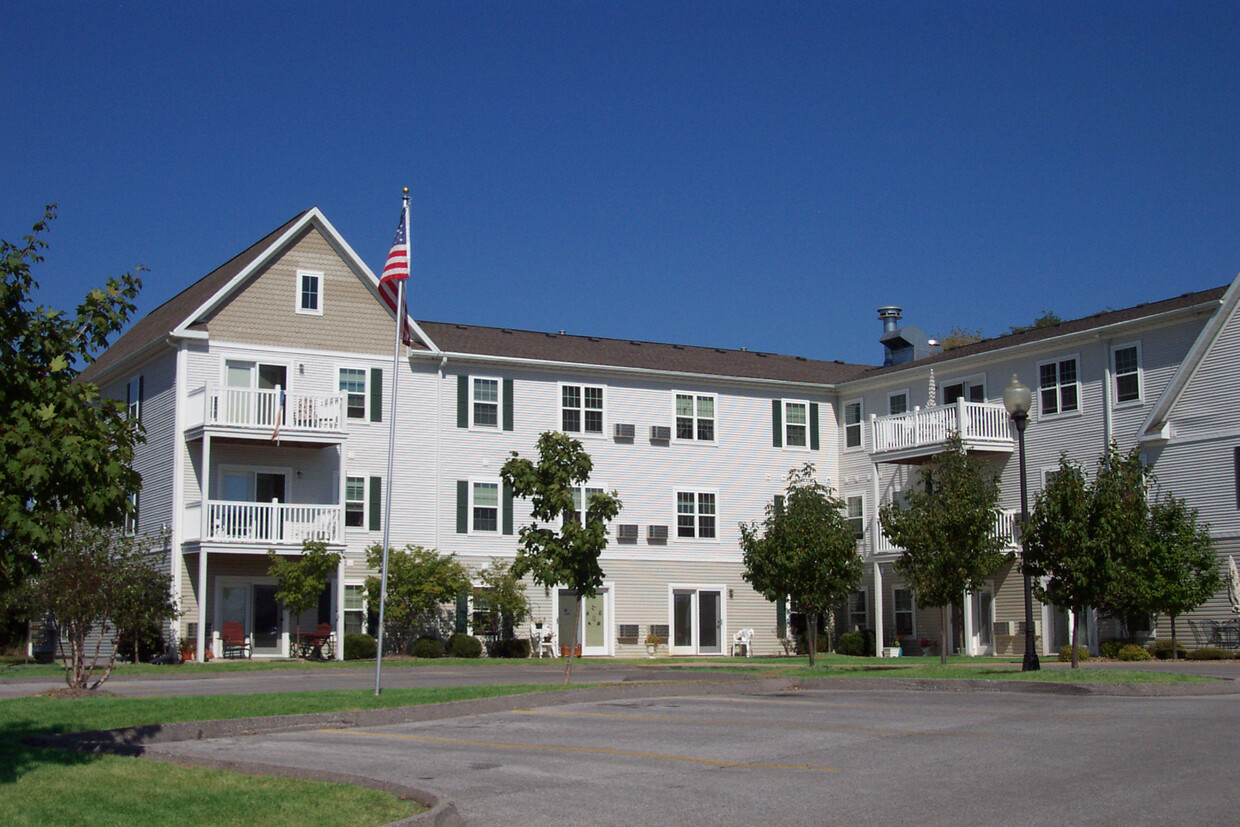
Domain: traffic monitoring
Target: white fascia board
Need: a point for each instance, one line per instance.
(132, 361)
(483, 359)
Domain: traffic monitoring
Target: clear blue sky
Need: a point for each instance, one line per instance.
(739, 174)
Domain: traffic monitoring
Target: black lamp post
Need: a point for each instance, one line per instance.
(1018, 400)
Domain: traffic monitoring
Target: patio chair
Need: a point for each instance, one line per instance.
(742, 638)
(543, 641)
(235, 641)
(1201, 636)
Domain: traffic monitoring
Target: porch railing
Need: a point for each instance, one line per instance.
(1007, 525)
(274, 522)
(976, 422)
(265, 409)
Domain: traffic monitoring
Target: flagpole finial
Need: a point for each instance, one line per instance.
(405, 190)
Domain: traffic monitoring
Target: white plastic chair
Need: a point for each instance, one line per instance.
(742, 638)
(543, 640)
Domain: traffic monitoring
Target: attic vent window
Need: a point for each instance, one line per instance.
(309, 293)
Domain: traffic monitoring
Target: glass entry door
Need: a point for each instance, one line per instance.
(268, 620)
(592, 625)
(697, 622)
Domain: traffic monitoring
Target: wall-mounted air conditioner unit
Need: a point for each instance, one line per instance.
(1003, 628)
(626, 532)
(624, 431)
(660, 433)
(628, 631)
(656, 532)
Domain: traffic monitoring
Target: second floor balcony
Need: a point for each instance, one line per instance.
(913, 436)
(271, 525)
(1007, 525)
(265, 413)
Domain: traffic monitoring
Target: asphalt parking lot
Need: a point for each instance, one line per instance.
(830, 756)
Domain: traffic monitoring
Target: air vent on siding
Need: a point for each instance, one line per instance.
(660, 433)
(656, 532)
(626, 532)
(1003, 628)
(625, 431)
(628, 631)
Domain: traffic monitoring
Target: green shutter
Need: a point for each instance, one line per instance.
(777, 424)
(376, 503)
(462, 401)
(781, 617)
(462, 612)
(779, 505)
(813, 425)
(141, 398)
(507, 508)
(462, 506)
(376, 394)
(508, 405)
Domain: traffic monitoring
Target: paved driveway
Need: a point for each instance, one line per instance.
(834, 756)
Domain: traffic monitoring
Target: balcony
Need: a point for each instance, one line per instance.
(267, 414)
(1007, 525)
(914, 436)
(264, 524)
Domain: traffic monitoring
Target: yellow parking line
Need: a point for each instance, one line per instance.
(884, 707)
(548, 748)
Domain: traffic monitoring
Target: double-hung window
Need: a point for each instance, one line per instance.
(133, 398)
(310, 293)
(695, 514)
(855, 506)
(853, 414)
(355, 502)
(858, 614)
(695, 417)
(354, 609)
(581, 501)
(353, 386)
(796, 424)
(897, 403)
(581, 409)
(484, 402)
(1058, 388)
(902, 601)
(484, 506)
(1127, 373)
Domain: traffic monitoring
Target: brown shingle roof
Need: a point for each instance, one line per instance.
(164, 319)
(592, 350)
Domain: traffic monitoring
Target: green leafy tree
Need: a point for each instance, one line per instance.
(1181, 560)
(947, 531)
(1118, 521)
(959, 337)
(1048, 319)
(65, 452)
(96, 578)
(143, 607)
(300, 580)
(805, 548)
(504, 593)
(1068, 568)
(420, 582)
(563, 546)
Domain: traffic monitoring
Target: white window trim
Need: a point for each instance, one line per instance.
(365, 417)
(908, 400)
(869, 608)
(364, 610)
(134, 400)
(297, 293)
(714, 419)
(692, 649)
(809, 439)
(499, 506)
(697, 525)
(589, 486)
(972, 379)
(1114, 390)
(365, 502)
(860, 424)
(913, 611)
(1037, 389)
(559, 407)
(498, 427)
(253, 470)
(864, 518)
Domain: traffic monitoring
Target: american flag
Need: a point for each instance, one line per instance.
(395, 271)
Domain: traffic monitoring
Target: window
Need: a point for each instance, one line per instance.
(355, 502)
(902, 601)
(133, 398)
(353, 386)
(796, 424)
(856, 515)
(853, 413)
(970, 390)
(695, 417)
(1057, 387)
(485, 506)
(131, 516)
(581, 501)
(695, 514)
(310, 293)
(1127, 373)
(485, 402)
(858, 611)
(354, 609)
(581, 409)
(897, 403)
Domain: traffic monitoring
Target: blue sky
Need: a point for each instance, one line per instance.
(760, 175)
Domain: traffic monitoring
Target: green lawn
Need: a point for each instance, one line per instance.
(48, 786)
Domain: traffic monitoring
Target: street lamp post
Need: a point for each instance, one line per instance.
(1018, 400)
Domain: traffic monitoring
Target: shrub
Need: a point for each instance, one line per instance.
(513, 648)
(851, 643)
(359, 647)
(427, 647)
(1065, 654)
(1210, 653)
(462, 645)
(1133, 652)
(1110, 648)
(1162, 649)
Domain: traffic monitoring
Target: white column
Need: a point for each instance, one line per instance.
(970, 644)
(878, 609)
(202, 601)
(340, 609)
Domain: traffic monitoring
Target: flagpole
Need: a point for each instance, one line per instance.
(391, 463)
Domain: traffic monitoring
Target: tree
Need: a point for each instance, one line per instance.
(142, 609)
(805, 548)
(65, 452)
(504, 593)
(96, 579)
(1048, 319)
(959, 337)
(947, 531)
(300, 581)
(566, 555)
(1118, 522)
(1182, 559)
(420, 582)
(1066, 566)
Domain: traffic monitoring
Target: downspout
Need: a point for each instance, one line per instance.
(875, 528)
(1108, 434)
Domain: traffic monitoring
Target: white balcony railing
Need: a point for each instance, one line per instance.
(979, 424)
(1006, 525)
(263, 409)
(274, 522)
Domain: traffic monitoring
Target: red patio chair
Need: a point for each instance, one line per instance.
(236, 641)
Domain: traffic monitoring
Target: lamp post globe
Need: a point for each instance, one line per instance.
(1017, 399)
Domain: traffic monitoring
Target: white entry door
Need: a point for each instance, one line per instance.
(592, 626)
(698, 625)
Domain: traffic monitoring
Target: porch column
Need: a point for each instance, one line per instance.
(970, 645)
(878, 609)
(204, 492)
(340, 609)
(202, 601)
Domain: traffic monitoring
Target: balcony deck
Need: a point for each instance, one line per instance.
(252, 413)
(1007, 525)
(914, 436)
(269, 525)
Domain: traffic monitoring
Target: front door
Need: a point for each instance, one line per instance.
(697, 621)
(592, 625)
(268, 620)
